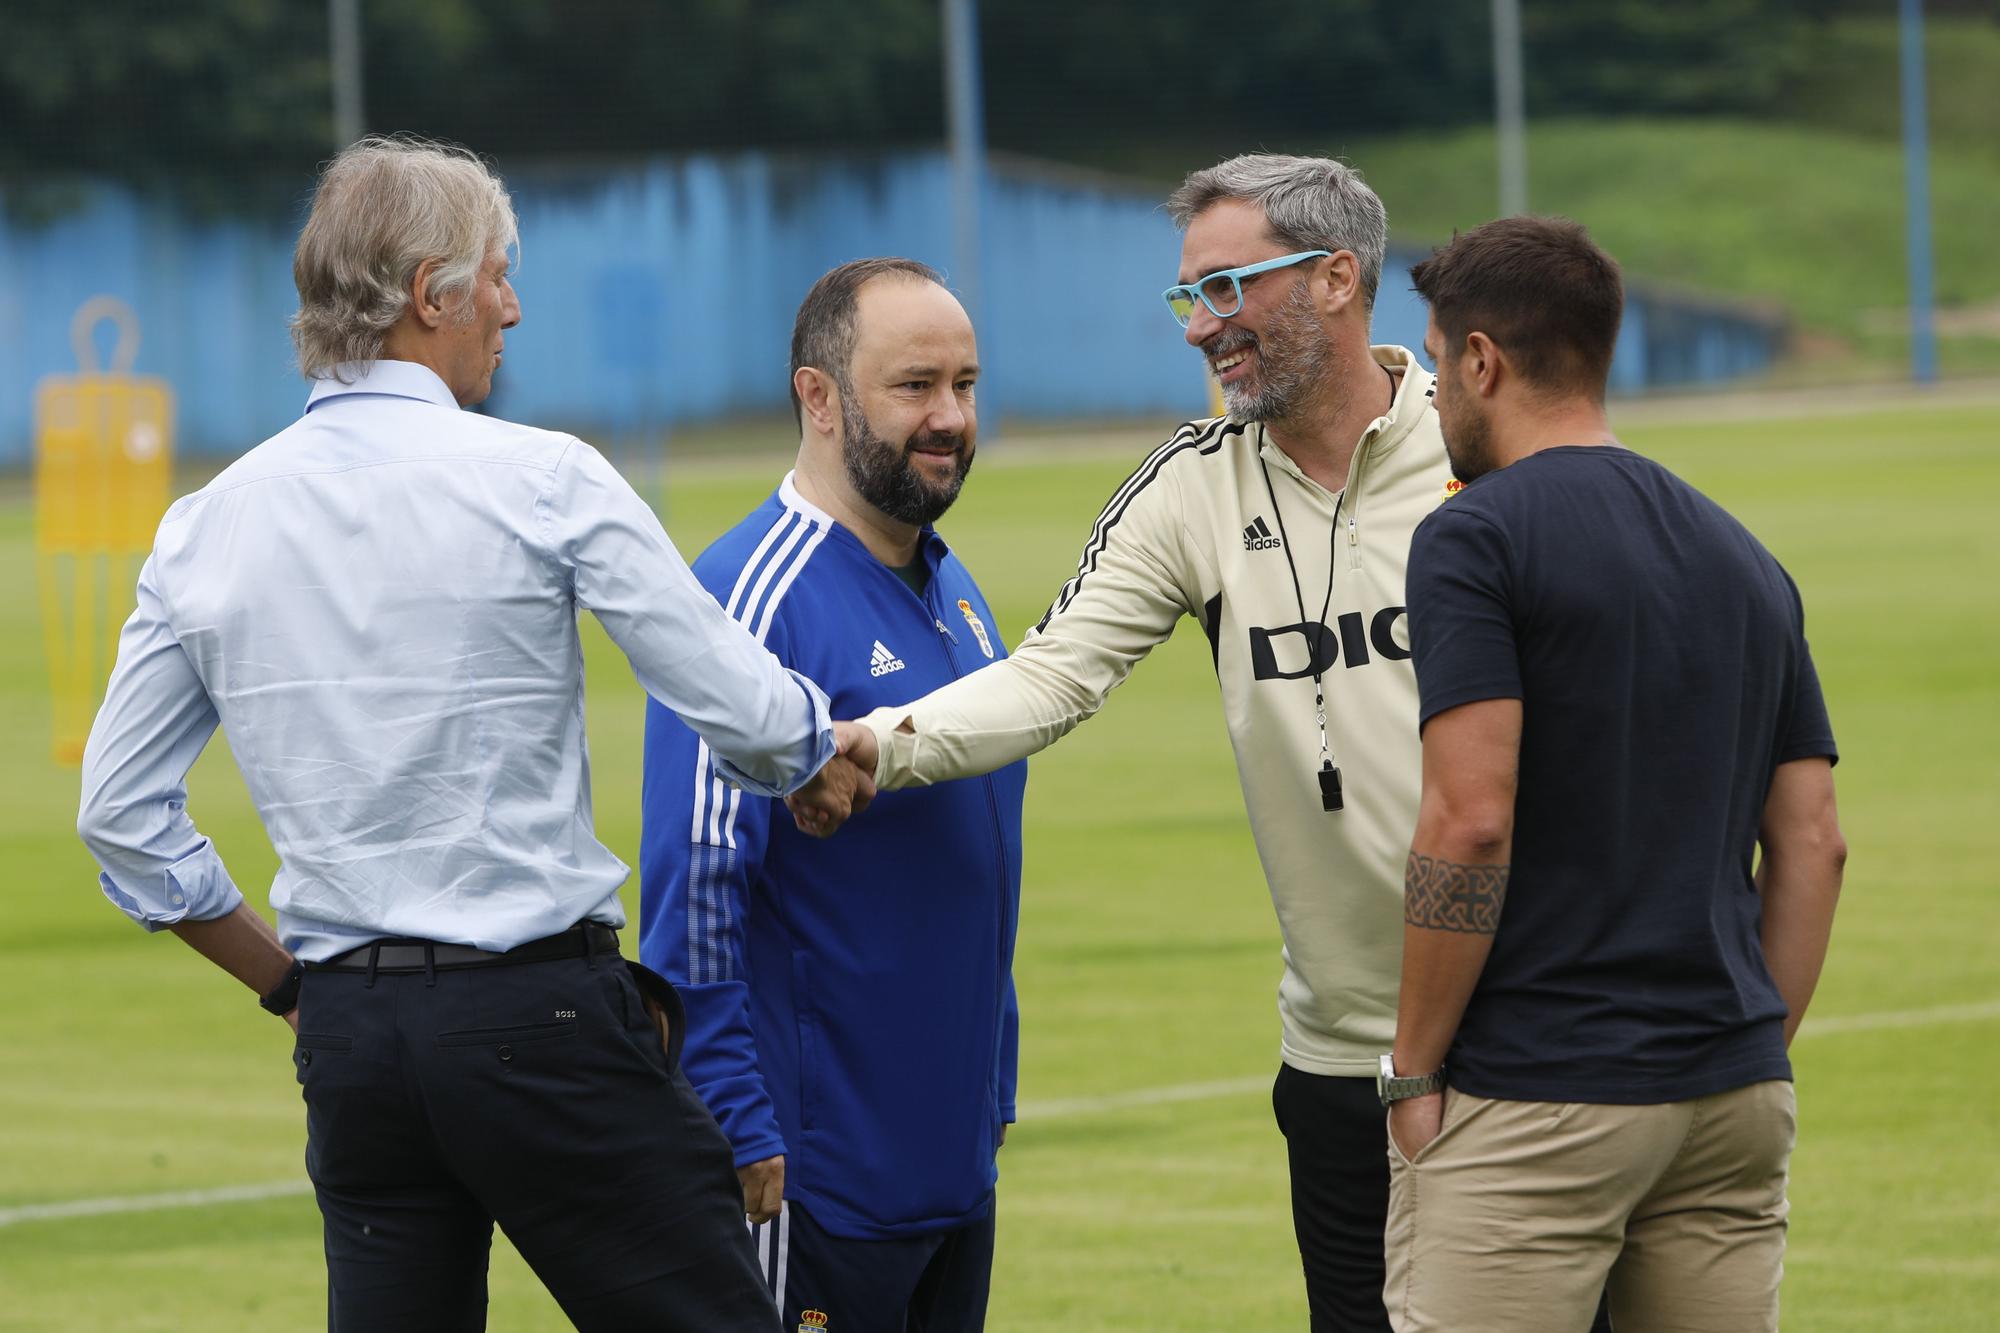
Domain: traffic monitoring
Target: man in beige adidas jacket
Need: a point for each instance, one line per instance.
(1284, 530)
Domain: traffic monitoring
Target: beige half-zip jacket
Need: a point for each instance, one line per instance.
(1194, 533)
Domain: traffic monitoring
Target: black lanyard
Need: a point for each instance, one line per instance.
(1329, 776)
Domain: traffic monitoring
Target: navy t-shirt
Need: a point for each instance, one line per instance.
(1660, 656)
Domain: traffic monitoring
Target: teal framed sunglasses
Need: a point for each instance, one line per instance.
(1222, 291)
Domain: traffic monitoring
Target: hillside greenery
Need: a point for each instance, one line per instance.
(1743, 147)
(215, 97)
(1807, 220)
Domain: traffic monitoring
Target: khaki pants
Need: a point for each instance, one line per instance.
(1518, 1214)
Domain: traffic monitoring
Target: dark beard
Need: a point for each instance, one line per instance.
(883, 475)
(1468, 444)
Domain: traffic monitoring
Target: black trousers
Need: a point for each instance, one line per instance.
(916, 1284)
(536, 1095)
(1337, 1137)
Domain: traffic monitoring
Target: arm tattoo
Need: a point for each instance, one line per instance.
(1444, 895)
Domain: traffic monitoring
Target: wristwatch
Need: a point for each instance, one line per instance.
(282, 998)
(1392, 1087)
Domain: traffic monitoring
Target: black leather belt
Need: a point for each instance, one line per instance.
(398, 955)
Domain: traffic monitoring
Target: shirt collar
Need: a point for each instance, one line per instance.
(396, 379)
(788, 495)
(1414, 391)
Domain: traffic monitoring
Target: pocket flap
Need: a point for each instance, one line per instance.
(324, 1041)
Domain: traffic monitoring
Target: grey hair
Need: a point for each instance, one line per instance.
(382, 208)
(1311, 203)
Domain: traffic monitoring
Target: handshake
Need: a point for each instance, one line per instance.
(843, 788)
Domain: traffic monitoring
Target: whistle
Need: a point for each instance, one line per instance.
(1329, 789)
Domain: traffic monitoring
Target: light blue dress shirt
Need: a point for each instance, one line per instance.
(379, 606)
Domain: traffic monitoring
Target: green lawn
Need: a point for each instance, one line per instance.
(1148, 954)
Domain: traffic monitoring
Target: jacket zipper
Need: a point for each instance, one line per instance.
(1353, 494)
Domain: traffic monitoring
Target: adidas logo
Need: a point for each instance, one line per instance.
(881, 662)
(1258, 537)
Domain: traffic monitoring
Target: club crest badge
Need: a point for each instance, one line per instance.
(812, 1321)
(1451, 488)
(978, 626)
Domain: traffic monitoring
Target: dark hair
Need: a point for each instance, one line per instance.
(1540, 288)
(823, 333)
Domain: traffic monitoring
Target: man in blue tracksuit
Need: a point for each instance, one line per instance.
(850, 1003)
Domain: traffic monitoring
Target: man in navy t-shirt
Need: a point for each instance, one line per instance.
(1589, 1087)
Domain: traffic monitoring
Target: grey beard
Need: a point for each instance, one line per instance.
(1294, 363)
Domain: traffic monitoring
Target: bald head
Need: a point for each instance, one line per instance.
(823, 334)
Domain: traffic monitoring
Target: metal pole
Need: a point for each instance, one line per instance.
(1508, 101)
(1917, 186)
(344, 18)
(967, 128)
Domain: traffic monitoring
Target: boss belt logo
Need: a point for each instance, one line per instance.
(1290, 652)
(1258, 537)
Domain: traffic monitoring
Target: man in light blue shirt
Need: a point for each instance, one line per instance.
(378, 605)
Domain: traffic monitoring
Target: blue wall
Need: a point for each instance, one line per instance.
(664, 292)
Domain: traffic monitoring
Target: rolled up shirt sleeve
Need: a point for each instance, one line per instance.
(768, 727)
(156, 866)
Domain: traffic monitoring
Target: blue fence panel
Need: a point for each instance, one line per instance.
(1400, 315)
(1073, 279)
(664, 291)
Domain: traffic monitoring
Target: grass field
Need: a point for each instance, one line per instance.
(1145, 1185)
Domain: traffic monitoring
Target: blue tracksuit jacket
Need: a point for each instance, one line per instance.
(850, 1001)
